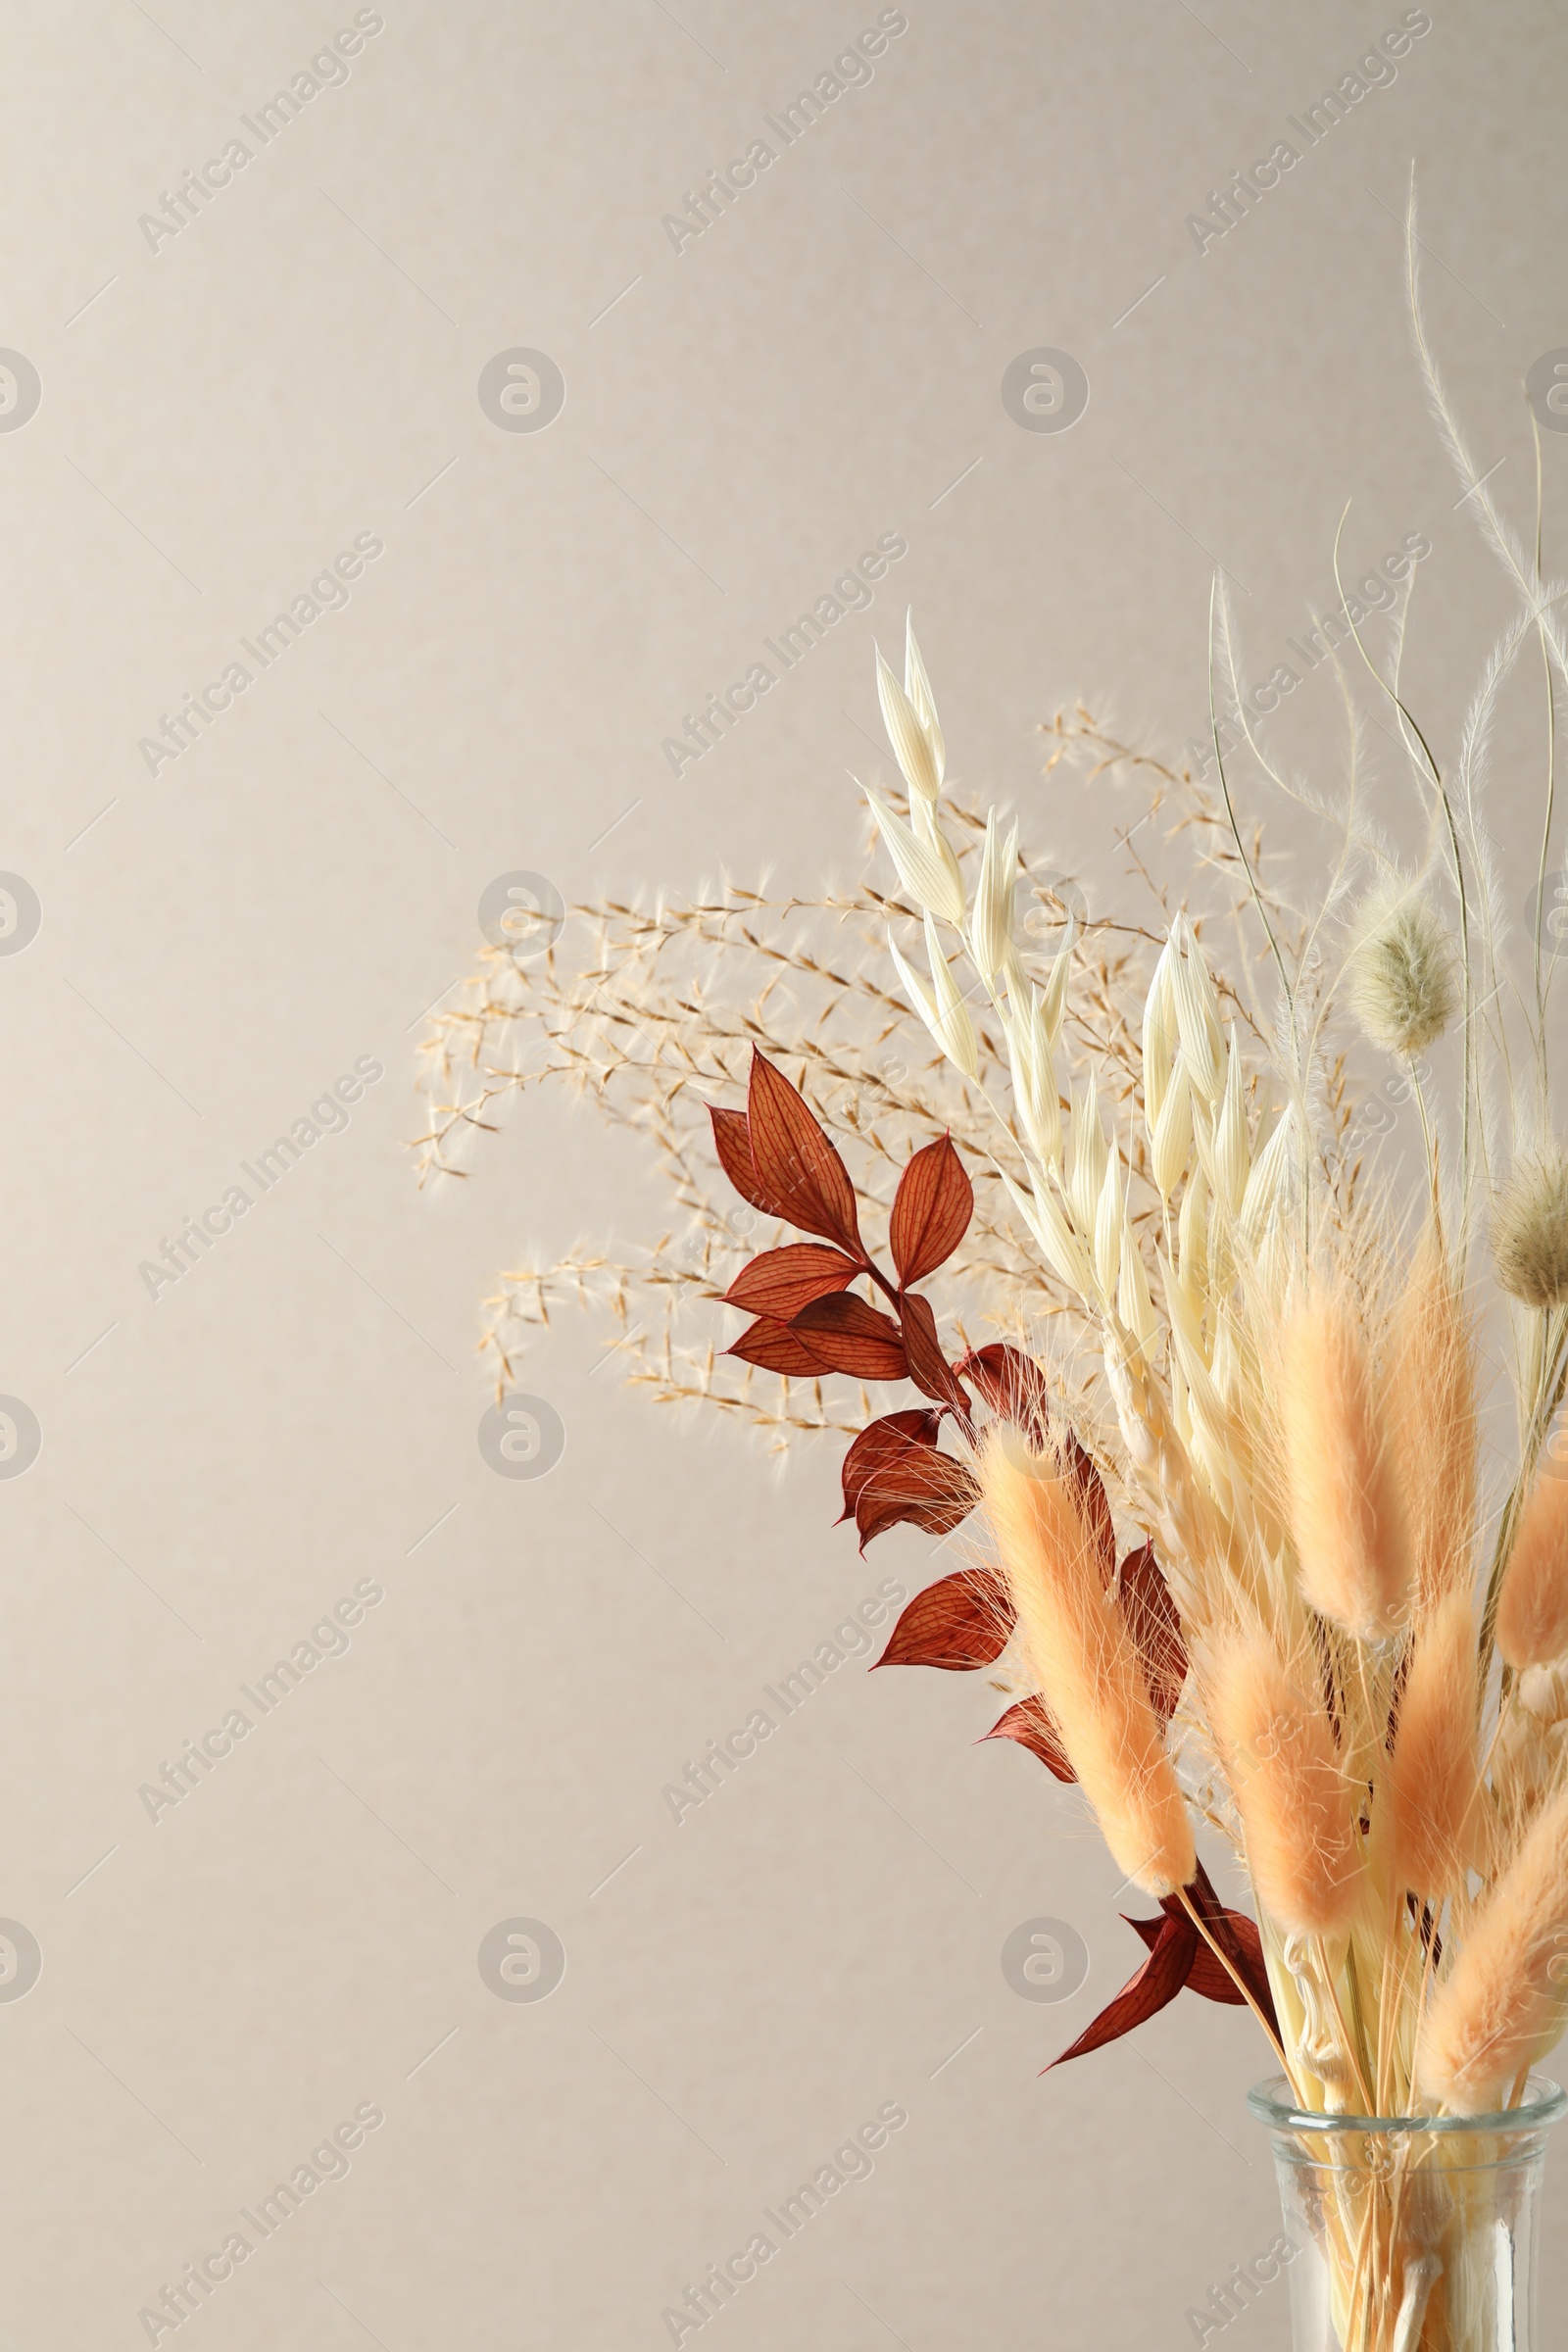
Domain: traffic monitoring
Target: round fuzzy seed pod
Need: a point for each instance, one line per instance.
(1401, 978)
(1530, 1229)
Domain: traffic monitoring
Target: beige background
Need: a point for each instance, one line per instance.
(218, 419)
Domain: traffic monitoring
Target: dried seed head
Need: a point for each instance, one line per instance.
(1294, 1802)
(1432, 1418)
(1345, 1510)
(1532, 1607)
(1507, 2000)
(1400, 979)
(911, 743)
(1161, 1037)
(1434, 1778)
(1531, 1746)
(1197, 1010)
(1086, 1663)
(1530, 1229)
(1544, 1690)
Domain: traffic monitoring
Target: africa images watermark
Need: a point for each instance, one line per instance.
(851, 592)
(327, 1638)
(722, 2281)
(199, 2281)
(1317, 644)
(1229, 206)
(1242, 2288)
(327, 69)
(328, 1114)
(850, 71)
(326, 593)
(850, 1640)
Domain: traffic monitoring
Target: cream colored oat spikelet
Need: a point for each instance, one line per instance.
(1346, 1514)
(1083, 1657)
(1296, 1806)
(1506, 2001)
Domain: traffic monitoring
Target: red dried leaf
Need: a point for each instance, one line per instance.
(929, 1491)
(931, 1211)
(958, 1623)
(1205, 1976)
(776, 1349)
(795, 1164)
(781, 1282)
(1154, 1624)
(894, 1474)
(1011, 1385)
(1029, 1723)
(1095, 1503)
(732, 1141)
(847, 1335)
(929, 1368)
(1236, 1935)
(952, 1498)
(883, 1443)
(1157, 1982)
(1210, 1978)
(1238, 1939)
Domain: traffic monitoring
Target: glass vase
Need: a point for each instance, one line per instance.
(1409, 2233)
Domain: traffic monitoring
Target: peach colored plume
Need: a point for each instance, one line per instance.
(1432, 1422)
(1346, 1514)
(1505, 2002)
(1434, 1778)
(1296, 1804)
(1086, 1664)
(1533, 1609)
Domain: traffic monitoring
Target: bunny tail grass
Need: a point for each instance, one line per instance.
(1434, 1778)
(1433, 1423)
(1345, 1510)
(1533, 1608)
(1294, 1802)
(1086, 1663)
(1507, 1997)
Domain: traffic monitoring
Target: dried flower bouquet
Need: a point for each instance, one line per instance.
(1208, 1405)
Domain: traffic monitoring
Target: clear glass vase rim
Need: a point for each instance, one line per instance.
(1543, 2103)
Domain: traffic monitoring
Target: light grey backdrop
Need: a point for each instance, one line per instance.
(225, 410)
